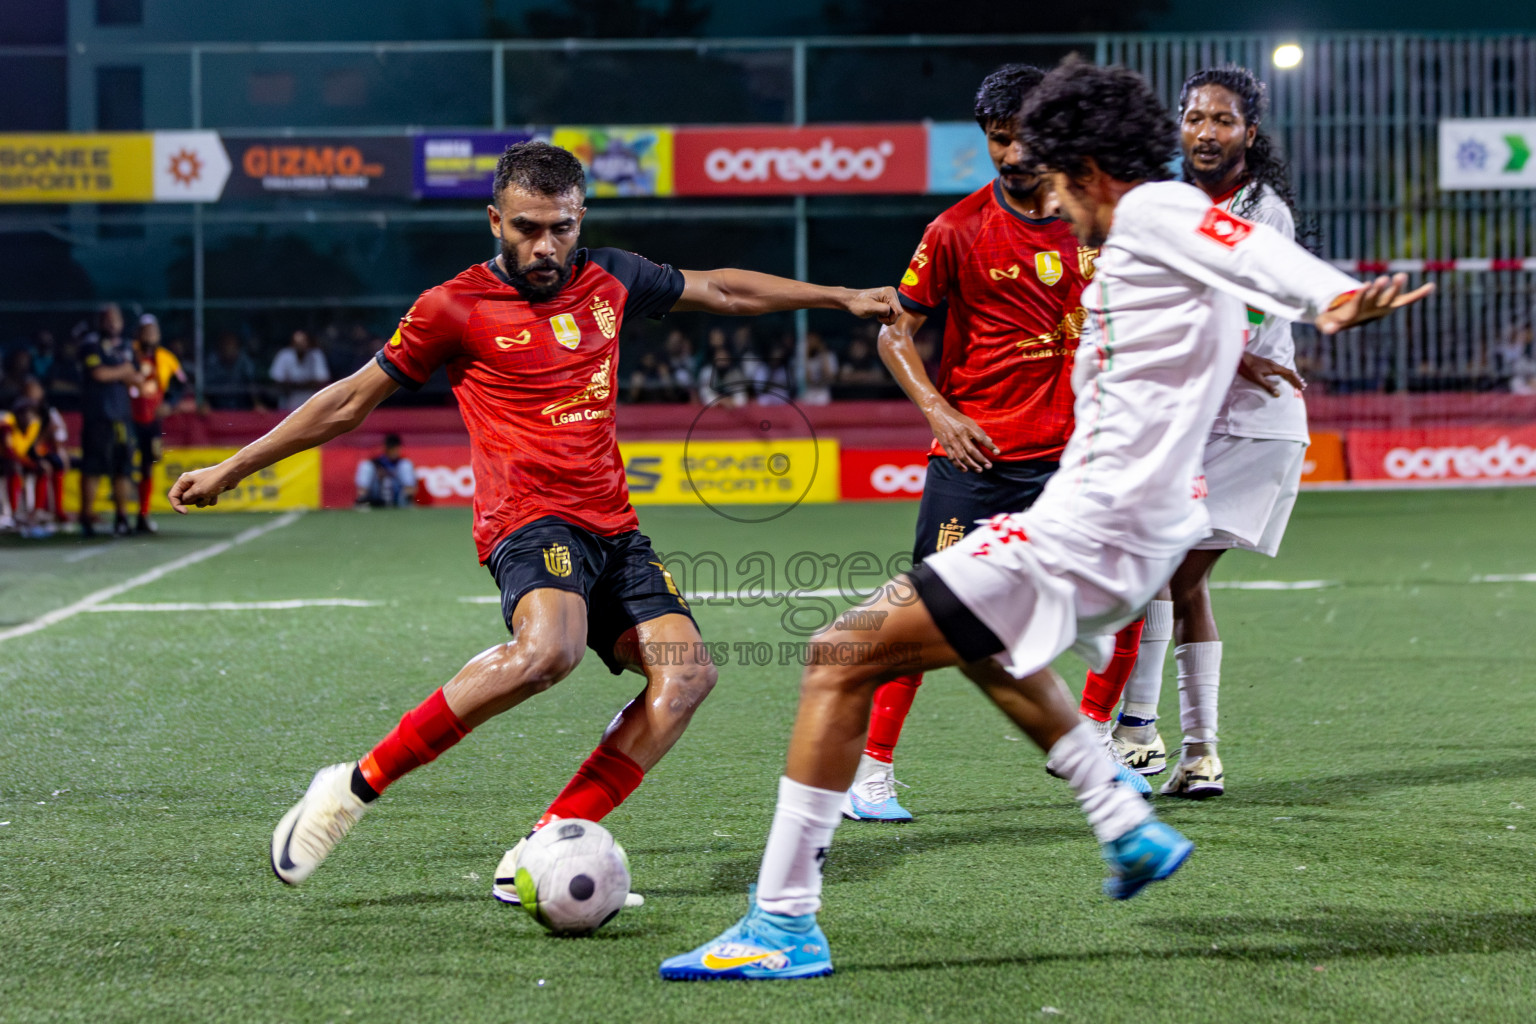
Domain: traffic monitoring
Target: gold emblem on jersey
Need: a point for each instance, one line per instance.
(1044, 346)
(921, 256)
(607, 319)
(1011, 274)
(1086, 255)
(909, 278)
(597, 390)
(394, 339)
(504, 342)
(567, 331)
(949, 533)
(1048, 267)
(557, 559)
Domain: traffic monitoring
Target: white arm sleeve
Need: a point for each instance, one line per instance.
(1175, 225)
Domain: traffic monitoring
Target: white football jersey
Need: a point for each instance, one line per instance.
(1166, 324)
(1249, 410)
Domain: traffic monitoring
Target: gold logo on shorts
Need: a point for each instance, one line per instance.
(949, 534)
(557, 559)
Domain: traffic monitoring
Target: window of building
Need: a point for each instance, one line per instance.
(114, 13)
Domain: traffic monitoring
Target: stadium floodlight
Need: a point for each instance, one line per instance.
(1287, 55)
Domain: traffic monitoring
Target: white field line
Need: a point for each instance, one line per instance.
(106, 594)
(1274, 584)
(238, 606)
(83, 554)
(1516, 577)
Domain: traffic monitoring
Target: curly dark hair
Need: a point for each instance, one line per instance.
(1002, 93)
(1265, 165)
(540, 168)
(1110, 113)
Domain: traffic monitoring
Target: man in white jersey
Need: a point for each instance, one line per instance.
(1166, 305)
(1253, 457)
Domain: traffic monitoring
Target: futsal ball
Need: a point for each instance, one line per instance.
(572, 876)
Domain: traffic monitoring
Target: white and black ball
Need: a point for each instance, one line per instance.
(572, 876)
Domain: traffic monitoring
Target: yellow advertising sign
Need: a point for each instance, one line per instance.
(292, 483)
(113, 167)
(731, 472)
(621, 161)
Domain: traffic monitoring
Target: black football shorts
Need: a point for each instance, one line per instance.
(953, 500)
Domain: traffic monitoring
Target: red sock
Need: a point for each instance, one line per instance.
(146, 491)
(58, 495)
(604, 781)
(1102, 692)
(892, 702)
(424, 732)
(15, 487)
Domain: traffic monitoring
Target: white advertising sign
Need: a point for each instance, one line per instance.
(1487, 153)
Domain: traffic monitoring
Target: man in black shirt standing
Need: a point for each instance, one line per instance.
(106, 374)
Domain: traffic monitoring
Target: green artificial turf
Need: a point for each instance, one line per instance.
(1373, 858)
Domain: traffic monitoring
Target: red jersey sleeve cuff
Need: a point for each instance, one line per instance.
(396, 374)
(911, 305)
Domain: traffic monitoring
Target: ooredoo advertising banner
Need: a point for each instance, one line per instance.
(443, 474)
(462, 165)
(820, 159)
(1444, 455)
(358, 166)
(870, 474)
(1325, 459)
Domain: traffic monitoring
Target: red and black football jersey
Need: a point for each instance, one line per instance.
(1014, 290)
(534, 382)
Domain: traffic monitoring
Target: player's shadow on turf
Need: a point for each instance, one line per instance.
(1330, 789)
(1343, 934)
(868, 850)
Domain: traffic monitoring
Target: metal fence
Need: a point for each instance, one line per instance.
(1357, 118)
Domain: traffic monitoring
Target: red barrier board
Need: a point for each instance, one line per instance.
(865, 159)
(1447, 454)
(443, 474)
(1325, 459)
(883, 473)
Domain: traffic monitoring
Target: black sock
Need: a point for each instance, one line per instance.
(360, 788)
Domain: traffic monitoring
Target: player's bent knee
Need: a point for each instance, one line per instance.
(539, 668)
(685, 687)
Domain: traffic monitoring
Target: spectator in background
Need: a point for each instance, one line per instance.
(31, 442)
(18, 367)
(776, 384)
(162, 382)
(229, 378)
(387, 480)
(744, 351)
(299, 371)
(680, 363)
(862, 374)
(49, 451)
(820, 370)
(107, 371)
(63, 383)
(723, 380)
(651, 381)
(1515, 358)
(45, 356)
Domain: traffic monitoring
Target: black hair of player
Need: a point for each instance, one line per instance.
(1265, 165)
(1002, 93)
(1109, 113)
(539, 168)
(392, 441)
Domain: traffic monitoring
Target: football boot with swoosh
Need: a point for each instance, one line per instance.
(759, 947)
(311, 829)
(1148, 853)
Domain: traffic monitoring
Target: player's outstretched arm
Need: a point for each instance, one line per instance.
(330, 413)
(961, 437)
(1372, 302)
(731, 292)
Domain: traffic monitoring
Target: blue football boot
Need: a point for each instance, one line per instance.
(759, 947)
(1128, 776)
(872, 797)
(1148, 853)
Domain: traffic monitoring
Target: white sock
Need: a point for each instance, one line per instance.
(789, 881)
(1112, 809)
(1199, 679)
(1145, 686)
(868, 766)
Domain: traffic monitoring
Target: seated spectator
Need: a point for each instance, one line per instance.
(18, 367)
(651, 381)
(724, 381)
(820, 371)
(680, 363)
(387, 480)
(50, 450)
(862, 375)
(299, 371)
(229, 378)
(36, 460)
(45, 356)
(776, 383)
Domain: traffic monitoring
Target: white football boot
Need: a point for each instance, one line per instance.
(314, 826)
(504, 883)
(1198, 778)
(1141, 748)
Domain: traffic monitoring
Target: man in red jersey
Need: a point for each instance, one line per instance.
(530, 342)
(1001, 411)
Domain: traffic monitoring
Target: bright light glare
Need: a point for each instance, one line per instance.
(1287, 55)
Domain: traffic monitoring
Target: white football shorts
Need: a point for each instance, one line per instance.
(1252, 484)
(1042, 589)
